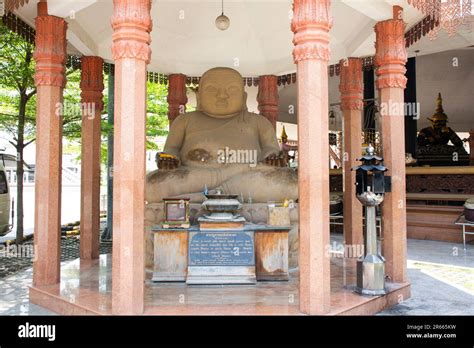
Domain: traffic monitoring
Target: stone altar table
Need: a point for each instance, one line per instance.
(177, 256)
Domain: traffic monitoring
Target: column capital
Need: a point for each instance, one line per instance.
(311, 24)
(50, 53)
(92, 81)
(351, 84)
(391, 54)
(176, 95)
(132, 24)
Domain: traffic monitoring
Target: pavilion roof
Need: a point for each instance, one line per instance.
(258, 42)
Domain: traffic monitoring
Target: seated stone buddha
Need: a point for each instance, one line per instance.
(221, 146)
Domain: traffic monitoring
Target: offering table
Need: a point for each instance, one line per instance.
(175, 248)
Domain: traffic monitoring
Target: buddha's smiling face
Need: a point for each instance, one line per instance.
(221, 93)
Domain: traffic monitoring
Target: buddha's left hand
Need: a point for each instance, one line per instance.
(276, 160)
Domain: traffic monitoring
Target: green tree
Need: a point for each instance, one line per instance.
(157, 113)
(18, 107)
(156, 124)
(17, 103)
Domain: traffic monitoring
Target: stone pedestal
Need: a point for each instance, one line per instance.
(255, 213)
(211, 257)
(271, 252)
(170, 256)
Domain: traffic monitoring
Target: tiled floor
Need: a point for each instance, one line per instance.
(14, 296)
(442, 280)
(88, 285)
(439, 273)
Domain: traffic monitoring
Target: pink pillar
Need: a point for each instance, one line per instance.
(311, 24)
(131, 51)
(92, 85)
(50, 56)
(177, 97)
(390, 59)
(267, 97)
(352, 106)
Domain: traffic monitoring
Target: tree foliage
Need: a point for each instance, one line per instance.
(18, 108)
(17, 89)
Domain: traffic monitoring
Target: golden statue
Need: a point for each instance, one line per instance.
(433, 147)
(285, 147)
(221, 146)
(438, 133)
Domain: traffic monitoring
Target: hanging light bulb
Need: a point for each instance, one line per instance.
(222, 22)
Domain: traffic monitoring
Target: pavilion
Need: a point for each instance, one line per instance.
(268, 42)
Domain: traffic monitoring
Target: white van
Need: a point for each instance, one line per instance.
(4, 202)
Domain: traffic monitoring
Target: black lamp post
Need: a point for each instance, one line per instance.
(370, 190)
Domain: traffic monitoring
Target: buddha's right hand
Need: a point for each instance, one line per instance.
(166, 161)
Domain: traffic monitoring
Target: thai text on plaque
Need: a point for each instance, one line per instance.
(221, 249)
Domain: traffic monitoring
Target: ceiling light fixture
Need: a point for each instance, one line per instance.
(222, 22)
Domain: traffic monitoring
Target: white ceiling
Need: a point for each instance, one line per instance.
(259, 40)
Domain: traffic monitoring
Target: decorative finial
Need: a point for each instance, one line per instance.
(439, 104)
(283, 134)
(439, 115)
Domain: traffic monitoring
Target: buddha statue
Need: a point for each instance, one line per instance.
(433, 147)
(438, 133)
(221, 146)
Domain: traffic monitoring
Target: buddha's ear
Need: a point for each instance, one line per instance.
(244, 106)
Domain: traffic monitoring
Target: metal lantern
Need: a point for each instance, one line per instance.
(370, 182)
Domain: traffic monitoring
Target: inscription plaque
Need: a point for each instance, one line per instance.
(222, 248)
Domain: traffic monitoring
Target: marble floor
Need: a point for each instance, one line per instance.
(88, 285)
(441, 274)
